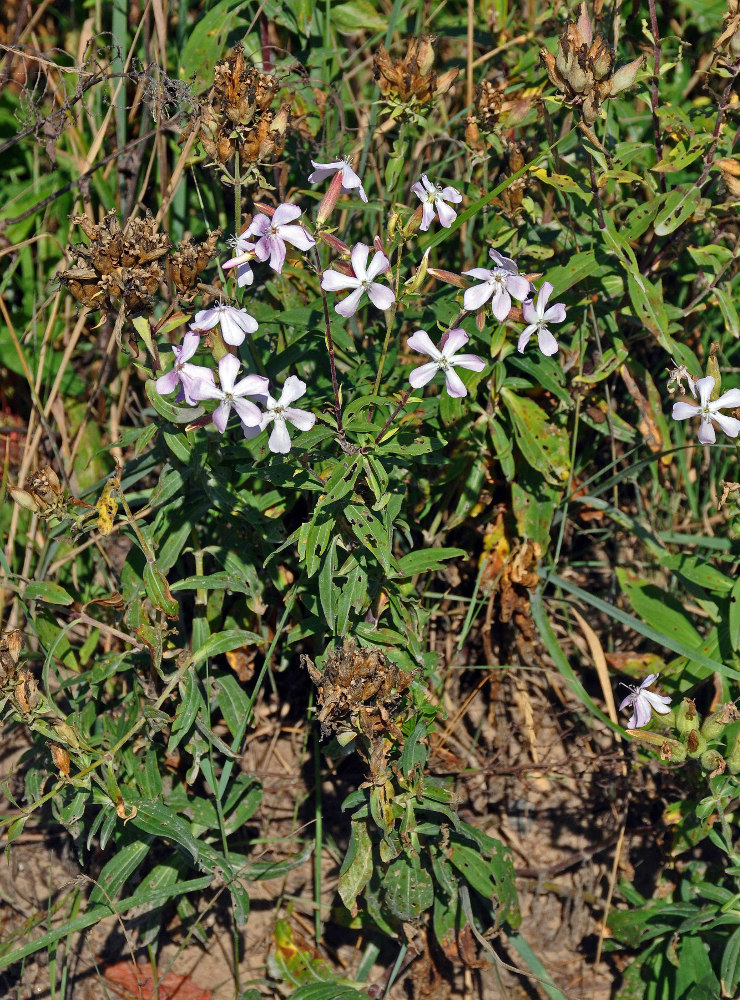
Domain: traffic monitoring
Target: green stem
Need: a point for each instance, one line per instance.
(390, 316)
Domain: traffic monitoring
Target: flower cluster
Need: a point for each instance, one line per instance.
(708, 409)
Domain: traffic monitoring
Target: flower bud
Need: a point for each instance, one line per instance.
(330, 199)
(713, 370)
(23, 498)
(415, 282)
(714, 724)
(695, 744)
(714, 762)
(625, 76)
(733, 757)
(425, 54)
(601, 58)
(687, 718)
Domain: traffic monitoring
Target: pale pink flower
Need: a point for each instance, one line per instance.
(642, 701)
(381, 296)
(235, 323)
(281, 411)
(537, 315)
(445, 359)
(273, 233)
(350, 180)
(500, 282)
(232, 394)
(434, 200)
(183, 372)
(708, 410)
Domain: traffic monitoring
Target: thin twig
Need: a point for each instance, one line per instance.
(330, 348)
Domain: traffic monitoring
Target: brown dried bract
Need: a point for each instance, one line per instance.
(729, 40)
(26, 692)
(360, 688)
(61, 759)
(238, 113)
(413, 77)
(11, 644)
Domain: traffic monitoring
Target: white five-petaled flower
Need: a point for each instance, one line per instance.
(279, 411)
(499, 282)
(381, 296)
(709, 411)
(183, 372)
(273, 233)
(235, 323)
(232, 394)
(641, 701)
(445, 360)
(350, 179)
(537, 315)
(243, 253)
(434, 200)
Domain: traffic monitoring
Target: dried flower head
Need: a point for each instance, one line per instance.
(412, 79)
(118, 266)
(583, 68)
(359, 688)
(238, 113)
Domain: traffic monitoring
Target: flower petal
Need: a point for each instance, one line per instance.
(421, 342)
(381, 296)
(378, 265)
(251, 385)
(259, 226)
(190, 344)
(221, 415)
(547, 343)
(284, 214)
(729, 398)
(348, 307)
(427, 216)
(279, 441)
(555, 314)
(359, 257)
(205, 319)
(705, 386)
(501, 304)
(529, 312)
(641, 713)
(297, 236)
(422, 374)
(293, 389)
(450, 194)
(517, 286)
(453, 341)
(277, 253)
(481, 273)
(228, 367)
(546, 290)
(446, 214)
(302, 419)
(706, 432)
(660, 702)
(454, 384)
(470, 361)
(524, 337)
(335, 281)
(729, 425)
(478, 295)
(167, 383)
(418, 190)
(682, 411)
(249, 414)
